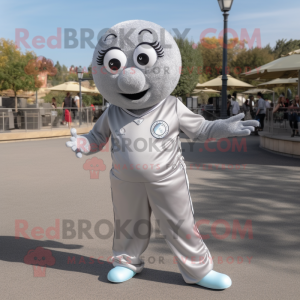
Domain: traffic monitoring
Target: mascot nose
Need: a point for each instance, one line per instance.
(131, 81)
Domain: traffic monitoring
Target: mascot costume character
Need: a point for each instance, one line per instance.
(136, 66)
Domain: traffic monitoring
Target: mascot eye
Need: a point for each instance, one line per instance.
(144, 56)
(114, 60)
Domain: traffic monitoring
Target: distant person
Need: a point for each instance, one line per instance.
(77, 100)
(93, 111)
(228, 105)
(76, 105)
(53, 104)
(268, 104)
(67, 101)
(298, 105)
(293, 118)
(234, 96)
(254, 114)
(280, 106)
(246, 109)
(66, 104)
(288, 103)
(261, 110)
(255, 106)
(251, 104)
(297, 101)
(251, 100)
(74, 108)
(235, 107)
(68, 118)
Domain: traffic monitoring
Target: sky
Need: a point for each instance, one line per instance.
(272, 20)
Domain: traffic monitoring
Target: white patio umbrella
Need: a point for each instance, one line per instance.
(232, 84)
(208, 91)
(280, 82)
(284, 67)
(255, 91)
(72, 86)
(263, 91)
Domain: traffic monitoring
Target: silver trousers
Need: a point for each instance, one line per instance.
(169, 200)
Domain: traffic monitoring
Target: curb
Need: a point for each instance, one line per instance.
(40, 134)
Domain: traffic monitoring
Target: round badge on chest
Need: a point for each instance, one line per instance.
(159, 129)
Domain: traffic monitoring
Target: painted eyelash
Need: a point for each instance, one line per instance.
(102, 54)
(157, 47)
(101, 57)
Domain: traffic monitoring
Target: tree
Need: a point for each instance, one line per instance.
(38, 66)
(46, 65)
(283, 47)
(12, 72)
(250, 59)
(61, 76)
(191, 64)
(212, 53)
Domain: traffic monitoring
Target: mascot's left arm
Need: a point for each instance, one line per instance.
(199, 129)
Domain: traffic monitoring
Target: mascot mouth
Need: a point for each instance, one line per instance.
(136, 96)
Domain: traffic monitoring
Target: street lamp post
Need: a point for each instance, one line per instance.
(225, 6)
(80, 76)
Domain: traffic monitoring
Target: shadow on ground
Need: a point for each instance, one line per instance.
(14, 250)
(234, 151)
(266, 192)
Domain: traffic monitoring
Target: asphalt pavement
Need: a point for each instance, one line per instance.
(246, 202)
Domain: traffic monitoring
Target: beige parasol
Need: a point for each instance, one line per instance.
(280, 82)
(255, 91)
(285, 67)
(232, 84)
(263, 91)
(208, 91)
(72, 86)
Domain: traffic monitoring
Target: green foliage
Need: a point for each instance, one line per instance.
(239, 59)
(191, 63)
(249, 59)
(13, 64)
(62, 75)
(97, 100)
(59, 96)
(87, 100)
(283, 47)
(212, 53)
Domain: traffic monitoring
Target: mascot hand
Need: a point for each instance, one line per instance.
(79, 144)
(234, 127)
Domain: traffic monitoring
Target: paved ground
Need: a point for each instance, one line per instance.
(42, 181)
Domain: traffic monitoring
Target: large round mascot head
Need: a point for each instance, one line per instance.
(136, 64)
